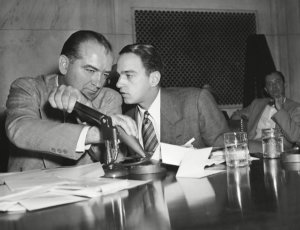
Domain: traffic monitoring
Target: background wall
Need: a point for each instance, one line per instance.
(32, 31)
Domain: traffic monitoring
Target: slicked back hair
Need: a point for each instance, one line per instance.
(72, 45)
(150, 57)
(277, 73)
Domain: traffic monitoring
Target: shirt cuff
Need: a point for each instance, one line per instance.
(81, 146)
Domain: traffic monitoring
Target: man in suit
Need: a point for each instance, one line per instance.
(178, 114)
(40, 122)
(275, 111)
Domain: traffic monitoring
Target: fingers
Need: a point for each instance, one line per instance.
(64, 97)
(73, 97)
(278, 103)
(51, 97)
(126, 122)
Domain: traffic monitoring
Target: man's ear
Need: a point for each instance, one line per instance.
(154, 78)
(63, 64)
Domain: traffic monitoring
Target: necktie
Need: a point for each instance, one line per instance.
(149, 137)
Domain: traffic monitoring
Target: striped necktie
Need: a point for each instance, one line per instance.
(149, 137)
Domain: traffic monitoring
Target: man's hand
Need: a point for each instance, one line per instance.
(279, 102)
(125, 122)
(64, 98)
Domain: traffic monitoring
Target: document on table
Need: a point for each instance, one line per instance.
(31, 178)
(192, 162)
(36, 189)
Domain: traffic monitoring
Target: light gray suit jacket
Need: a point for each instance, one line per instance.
(288, 119)
(188, 113)
(39, 132)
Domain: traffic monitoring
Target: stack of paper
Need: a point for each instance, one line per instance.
(36, 189)
(192, 162)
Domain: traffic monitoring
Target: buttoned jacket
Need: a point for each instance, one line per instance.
(41, 136)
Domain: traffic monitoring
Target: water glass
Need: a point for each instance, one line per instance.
(236, 149)
(272, 143)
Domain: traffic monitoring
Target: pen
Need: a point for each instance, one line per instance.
(190, 141)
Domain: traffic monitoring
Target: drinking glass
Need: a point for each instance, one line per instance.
(272, 143)
(236, 149)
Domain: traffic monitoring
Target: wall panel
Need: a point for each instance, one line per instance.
(32, 31)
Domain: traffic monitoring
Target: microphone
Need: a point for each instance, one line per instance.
(104, 122)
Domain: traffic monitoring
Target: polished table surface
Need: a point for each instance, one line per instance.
(265, 195)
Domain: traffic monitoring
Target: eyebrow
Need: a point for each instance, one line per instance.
(105, 72)
(276, 80)
(128, 71)
(90, 66)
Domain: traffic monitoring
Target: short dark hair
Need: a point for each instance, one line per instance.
(72, 44)
(150, 57)
(278, 73)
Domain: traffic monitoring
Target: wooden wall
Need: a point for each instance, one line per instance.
(32, 31)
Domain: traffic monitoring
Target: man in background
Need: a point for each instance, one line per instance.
(275, 111)
(40, 122)
(177, 115)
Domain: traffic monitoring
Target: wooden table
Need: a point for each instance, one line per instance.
(265, 195)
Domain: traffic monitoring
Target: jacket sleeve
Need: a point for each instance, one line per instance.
(289, 123)
(212, 122)
(28, 128)
(245, 112)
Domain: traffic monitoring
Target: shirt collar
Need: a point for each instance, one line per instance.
(154, 108)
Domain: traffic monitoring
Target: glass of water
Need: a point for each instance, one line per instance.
(236, 149)
(272, 143)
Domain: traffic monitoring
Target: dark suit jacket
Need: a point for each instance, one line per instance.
(187, 113)
(39, 133)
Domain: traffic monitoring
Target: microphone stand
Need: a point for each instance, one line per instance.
(111, 135)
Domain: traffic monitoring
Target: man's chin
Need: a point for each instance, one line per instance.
(128, 101)
(91, 95)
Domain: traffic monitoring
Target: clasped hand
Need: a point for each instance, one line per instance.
(279, 101)
(64, 98)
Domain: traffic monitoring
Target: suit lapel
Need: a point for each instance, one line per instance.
(46, 110)
(171, 124)
(259, 111)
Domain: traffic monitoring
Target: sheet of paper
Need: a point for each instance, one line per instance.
(32, 178)
(49, 200)
(93, 170)
(173, 154)
(11, 207)
(194, 162)
(46, 188)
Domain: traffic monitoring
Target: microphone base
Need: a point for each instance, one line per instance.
(116, 172)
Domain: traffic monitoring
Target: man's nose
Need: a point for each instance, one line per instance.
(121, 81)
(96, 79)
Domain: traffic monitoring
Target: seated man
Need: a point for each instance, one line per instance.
(276, 111)
(39, 120)
(177, 114)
